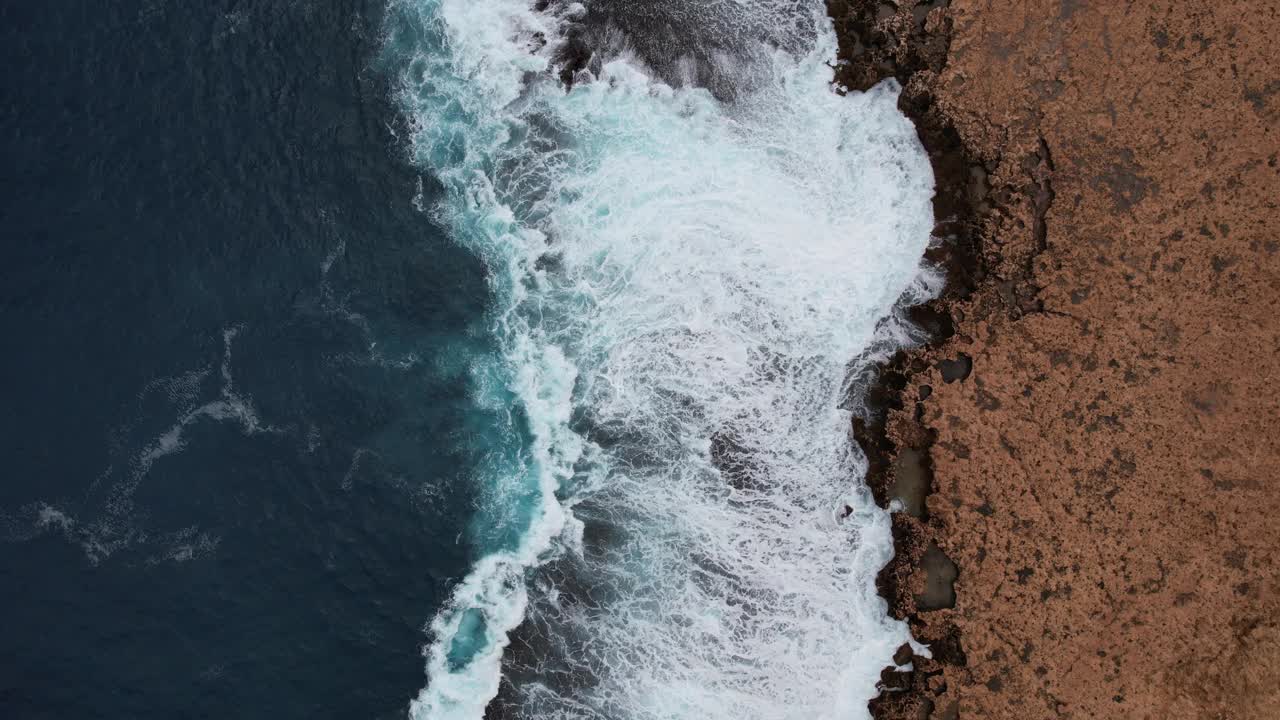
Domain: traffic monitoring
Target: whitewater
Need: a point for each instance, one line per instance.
(685, 276)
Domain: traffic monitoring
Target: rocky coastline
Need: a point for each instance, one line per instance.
(1082, 452)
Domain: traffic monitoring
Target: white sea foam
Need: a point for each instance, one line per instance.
(105, 520)
(231, 406)
(681, 286)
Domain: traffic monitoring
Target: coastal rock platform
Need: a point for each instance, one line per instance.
(1086, 453)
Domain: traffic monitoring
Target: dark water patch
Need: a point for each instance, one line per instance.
(239, 433)
(685, 43)
(940, 576)
(548, 658)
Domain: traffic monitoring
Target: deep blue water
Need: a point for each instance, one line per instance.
(179, 179)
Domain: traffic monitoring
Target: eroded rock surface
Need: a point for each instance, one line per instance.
(1097, 422)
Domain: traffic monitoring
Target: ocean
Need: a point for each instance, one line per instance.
(444, 358)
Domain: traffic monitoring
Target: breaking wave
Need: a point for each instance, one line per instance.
(684, 271)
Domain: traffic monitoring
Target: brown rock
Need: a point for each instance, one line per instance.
(1100, 462)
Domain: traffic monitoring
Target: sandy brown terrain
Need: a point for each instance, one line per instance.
(1086, 454)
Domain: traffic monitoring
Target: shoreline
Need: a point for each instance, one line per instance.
(1082, 449)
(912, 47)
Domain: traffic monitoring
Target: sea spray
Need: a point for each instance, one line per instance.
(681, 281)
